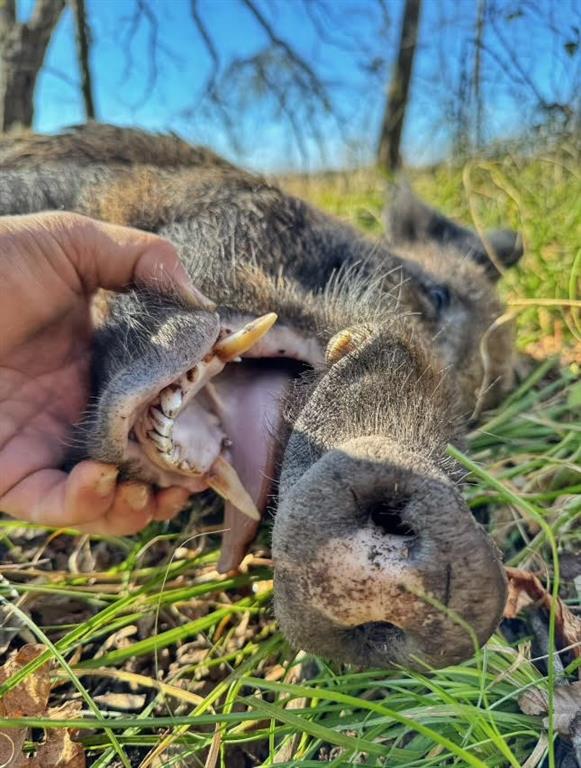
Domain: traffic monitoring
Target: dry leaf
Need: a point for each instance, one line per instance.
(525, 589)
(59, 750)
(567, 705)
(11, 745)
(535, 701)
(30, 699)
(31, 696)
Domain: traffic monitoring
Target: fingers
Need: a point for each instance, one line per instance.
(122, 255)
(112, 256)
(51, 497)
(130, 510)
(170, 502)
(90, 500)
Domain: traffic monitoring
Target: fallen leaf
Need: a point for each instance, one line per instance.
(524, 590)
(58, 749)
(566, 704)
(31, 696)
(11, 745)
(535, 701)
(30, 699)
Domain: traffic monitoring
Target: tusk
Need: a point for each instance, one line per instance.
(241, 341)
(224, 479)
(340, 345)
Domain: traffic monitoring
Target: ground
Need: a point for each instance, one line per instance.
(188, 668)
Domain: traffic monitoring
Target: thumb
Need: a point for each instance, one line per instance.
(113, 257)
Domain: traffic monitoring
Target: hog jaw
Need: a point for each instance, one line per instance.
(378, 561)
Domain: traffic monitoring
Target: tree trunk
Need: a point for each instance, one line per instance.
(22, 50)
(83, 49)
(388, 154)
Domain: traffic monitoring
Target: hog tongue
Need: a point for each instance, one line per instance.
(248, 402)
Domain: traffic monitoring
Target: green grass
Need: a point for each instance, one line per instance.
(149, 615)
(539, 197)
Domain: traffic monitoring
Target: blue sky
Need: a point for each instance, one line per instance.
(355, 64)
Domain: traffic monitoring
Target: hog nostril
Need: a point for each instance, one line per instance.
(378, 633)
(388, 517)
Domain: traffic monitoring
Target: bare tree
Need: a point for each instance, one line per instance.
(277, 70)
(83, 50)
(393, 120)
(22, 49)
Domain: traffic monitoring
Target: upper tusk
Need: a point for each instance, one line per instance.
(224, 479)
(241, 341)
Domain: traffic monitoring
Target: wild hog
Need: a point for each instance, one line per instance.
(346, 404)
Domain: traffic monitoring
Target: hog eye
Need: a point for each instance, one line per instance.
(440, 298)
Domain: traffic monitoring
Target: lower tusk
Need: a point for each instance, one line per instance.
(241, 341)
(224, 479)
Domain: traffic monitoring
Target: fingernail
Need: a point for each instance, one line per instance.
(195, 296)
(137, 497)
(105, 485)
(189, 291)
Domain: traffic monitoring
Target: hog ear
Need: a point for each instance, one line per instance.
(410, 220)
(506, 245)
(497, 251)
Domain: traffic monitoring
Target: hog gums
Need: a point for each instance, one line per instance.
(338, 414)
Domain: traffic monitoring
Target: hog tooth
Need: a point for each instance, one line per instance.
(184, 466)
(163, 444)
(241, 341)
(224, 479)
(171, 400)
(162, 424)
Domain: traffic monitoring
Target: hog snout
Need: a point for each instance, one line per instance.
(379, 562)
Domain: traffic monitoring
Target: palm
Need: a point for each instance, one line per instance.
(43, 390)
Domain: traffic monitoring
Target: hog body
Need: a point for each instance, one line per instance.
(377, 559)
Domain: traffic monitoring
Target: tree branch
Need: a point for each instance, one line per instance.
(208, 42)
(313, 80)
(83, 47)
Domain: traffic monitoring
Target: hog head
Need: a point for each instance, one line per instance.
(456, 277)
(377, 559)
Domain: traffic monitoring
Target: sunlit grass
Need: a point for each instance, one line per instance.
(539, 196)
(149, 614)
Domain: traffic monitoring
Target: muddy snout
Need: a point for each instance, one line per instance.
(378, 561)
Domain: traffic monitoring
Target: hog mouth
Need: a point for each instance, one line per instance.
(181, 430)
(217, 424)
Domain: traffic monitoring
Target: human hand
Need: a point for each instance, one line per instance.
(50, 266)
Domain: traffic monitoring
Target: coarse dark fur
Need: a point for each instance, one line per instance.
(367, 431)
